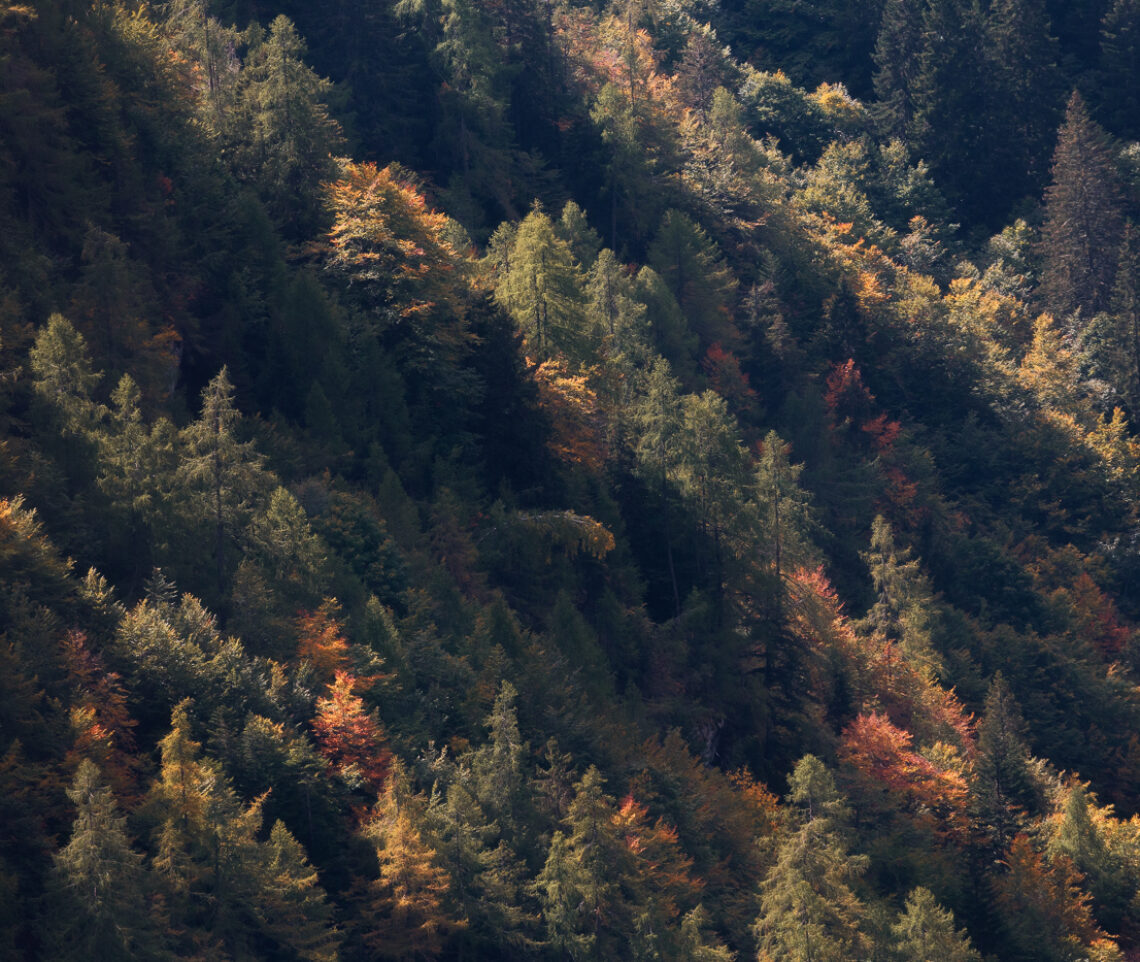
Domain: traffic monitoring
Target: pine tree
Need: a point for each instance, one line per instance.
(1083, 220)
(486, 878)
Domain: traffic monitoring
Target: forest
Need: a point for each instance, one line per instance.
(570, 480)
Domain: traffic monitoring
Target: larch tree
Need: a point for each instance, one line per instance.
(808, 909)
(687, 259)
(289, 136)
(926, 931)
(405, 914)
(222, 474)
(101, 882)
(541, 287)
(905, 611)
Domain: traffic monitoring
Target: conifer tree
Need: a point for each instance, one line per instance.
(1120, 68)
(950, 95)
(687, 259)
(1025, 94)
(1002, 790)
(904, 611)
(896, 58)
(222, 474)
(541, 288)
(103, 886)
(1083, 221)
(808, 910)
(486, 878)
(785, 511)
(925, 931)
(292, 908)
(288, 145)
(497, 766)
(63, 374)
(405, 916)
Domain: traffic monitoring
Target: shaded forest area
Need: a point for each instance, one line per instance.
(513, 480)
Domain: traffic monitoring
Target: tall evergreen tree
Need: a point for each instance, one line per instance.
(1119, 81)
(896, 59)
(1083, 219)
(1002, 790)
(1025, 93)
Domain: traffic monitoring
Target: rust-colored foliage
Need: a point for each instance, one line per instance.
(853, 415)
(99, 716)
(1043, 902)
(387, 244)
(726, 377)
(350, 737)
(883, 754)
(577, 434)
(880, 678)
(661, 861)
(321, 640)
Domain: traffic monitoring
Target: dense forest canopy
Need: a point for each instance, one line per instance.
(511, 479)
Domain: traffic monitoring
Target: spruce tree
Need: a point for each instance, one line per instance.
(1002, 787)
(1119, 80)
(897, 64)
(1083, 219)
(1025, 93)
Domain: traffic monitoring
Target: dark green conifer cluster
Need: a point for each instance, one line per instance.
(509, 480)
